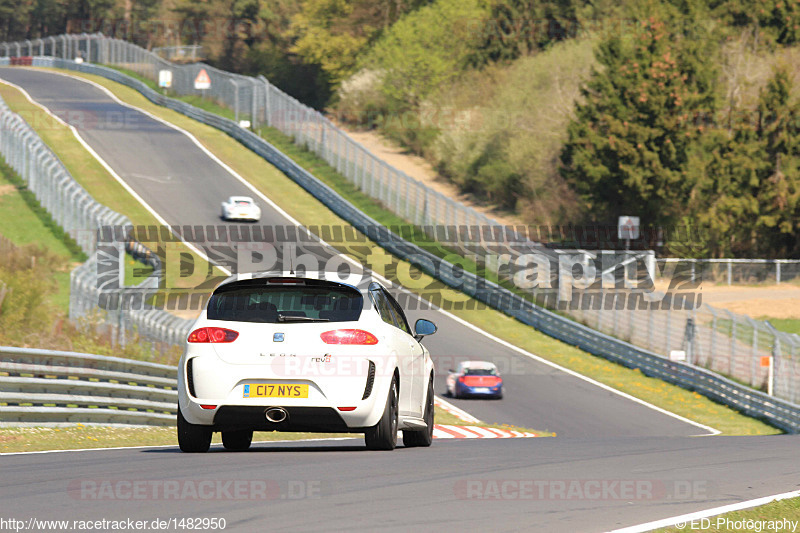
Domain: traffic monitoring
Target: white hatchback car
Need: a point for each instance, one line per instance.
(240, 208)
(298, 354)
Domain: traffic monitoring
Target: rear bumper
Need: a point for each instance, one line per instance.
(236, 216)
(218, 386)
(464, 390)
(309, 419)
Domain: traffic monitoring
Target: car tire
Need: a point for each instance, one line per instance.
(237, 440)
(383, 435)
(422, 438)
(193, 438)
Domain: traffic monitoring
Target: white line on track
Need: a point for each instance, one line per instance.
(112, 171)
(686, 519)
(710, 430)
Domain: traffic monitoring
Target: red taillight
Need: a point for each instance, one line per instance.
(348, 336)
(347, 408)
(480, 381)
(208, 406)
(213, 335)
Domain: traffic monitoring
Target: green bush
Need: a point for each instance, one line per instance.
(514, 118)
(423, 50)
(29, 318)
(630, 141)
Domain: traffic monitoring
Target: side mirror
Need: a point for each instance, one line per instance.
(422, 328)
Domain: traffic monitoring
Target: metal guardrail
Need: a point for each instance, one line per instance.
(74, 209)
(44, 387)
(46, 176)
(780, 413)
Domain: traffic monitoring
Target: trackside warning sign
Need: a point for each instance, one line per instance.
(628, 228)
(202, 81)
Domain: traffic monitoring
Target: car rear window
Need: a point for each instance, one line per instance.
(284, 303)
(479, 372)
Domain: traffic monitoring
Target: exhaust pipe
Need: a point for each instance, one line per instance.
(276, 415)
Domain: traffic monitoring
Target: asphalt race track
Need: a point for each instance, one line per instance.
(338, 486)
(603, 437)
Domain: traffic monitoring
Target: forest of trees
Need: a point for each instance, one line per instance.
(559, 111)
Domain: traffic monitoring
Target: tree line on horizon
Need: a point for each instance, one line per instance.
(660, 120)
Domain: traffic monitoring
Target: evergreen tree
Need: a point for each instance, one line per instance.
(628, 146)
(777, 20)
(747, 182)
(779, 195)
(519, 27)
(726, 170)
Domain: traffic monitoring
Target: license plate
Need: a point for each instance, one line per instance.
(481, 389)
(276, 390)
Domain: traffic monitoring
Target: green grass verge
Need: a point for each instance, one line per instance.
(80, 436)
(755, 519)
(89, 173)
(787, 325)
(81, 165)
(311, 212)
(23, 221)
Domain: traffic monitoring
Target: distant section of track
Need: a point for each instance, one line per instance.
(185, 187)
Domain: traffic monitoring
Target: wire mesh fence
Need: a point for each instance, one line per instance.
(180, 54)
(262, 104)
(81, 217)
(675, 323)
(724, 342)
(742, 271)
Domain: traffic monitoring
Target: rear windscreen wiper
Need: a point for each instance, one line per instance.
(294, 318)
